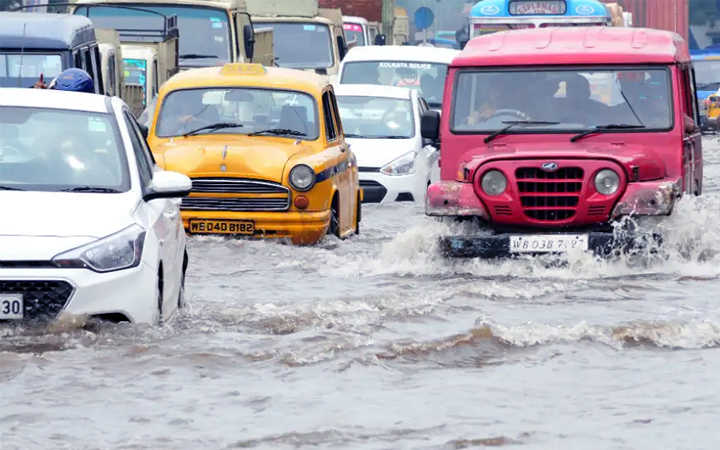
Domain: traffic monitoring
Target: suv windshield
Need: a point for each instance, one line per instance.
(300, 45)
(707, 75)
(193, 22)
(238, 111)
(427, 78)
(582, 99)
(44, 149)
(376, 117)
(24, 70)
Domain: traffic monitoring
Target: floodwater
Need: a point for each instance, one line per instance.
(380, 343)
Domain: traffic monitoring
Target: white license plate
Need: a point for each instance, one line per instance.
(11, 306)
(548, 243)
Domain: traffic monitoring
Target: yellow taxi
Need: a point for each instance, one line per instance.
(265, 150)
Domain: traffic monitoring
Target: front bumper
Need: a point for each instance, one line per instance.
(303, 228)
(380, 188)
(130, 292)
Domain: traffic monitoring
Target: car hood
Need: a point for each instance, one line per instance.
(241, 157)
(378, 152)
(39, 225)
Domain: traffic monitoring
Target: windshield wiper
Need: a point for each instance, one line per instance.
(196, 56)
(90, 189)
(513, 123)
(605, 128)
(278, 132)
(10, 188)
(214, 126)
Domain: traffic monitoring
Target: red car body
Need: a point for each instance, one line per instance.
(655, 167)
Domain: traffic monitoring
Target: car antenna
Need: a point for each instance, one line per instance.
(22, 53)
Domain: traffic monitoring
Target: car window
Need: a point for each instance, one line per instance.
(367, 117)
(145, 165)
(44, 149)
(328, 115)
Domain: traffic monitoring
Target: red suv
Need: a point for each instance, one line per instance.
(550, 136)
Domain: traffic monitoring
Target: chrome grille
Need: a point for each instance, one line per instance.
(549, 196)
(237, 186)
(235, 204)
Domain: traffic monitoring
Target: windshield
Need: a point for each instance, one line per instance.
(376, 117)
(707, 75)
(301, 45)
(427, 78)
(354, 33)
(135, 71)
(193, 22)
(576, 99)
(24, 70)
(45, 149)
(252, 110)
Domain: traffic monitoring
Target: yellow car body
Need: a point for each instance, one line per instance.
(241, 182)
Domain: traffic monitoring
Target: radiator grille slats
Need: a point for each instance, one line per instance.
(255, 195)
(549, 196)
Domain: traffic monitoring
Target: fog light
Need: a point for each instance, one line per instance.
(607, 182)
(301, 202)
(494, 182)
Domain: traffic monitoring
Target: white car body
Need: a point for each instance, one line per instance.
(373, 154)
(39, 225)
(397, 53)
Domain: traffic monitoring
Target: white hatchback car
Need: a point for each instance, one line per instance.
(382, 126)
(90, 226)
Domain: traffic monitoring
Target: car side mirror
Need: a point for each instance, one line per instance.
(143, 130)
(166, 184)
(249, 39)
(380, 39)
(430, 125)
(690, 125)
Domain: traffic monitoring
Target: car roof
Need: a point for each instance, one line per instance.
(248, 75)
(372, 90)
(50, 98)
(355, 19)
(401, 53)
(44, 31)
(574, 45)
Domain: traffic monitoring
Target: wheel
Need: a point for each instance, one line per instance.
(160, 297)
(181, 303)
(334, 218)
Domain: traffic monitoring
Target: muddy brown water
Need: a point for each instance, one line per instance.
(378, 342)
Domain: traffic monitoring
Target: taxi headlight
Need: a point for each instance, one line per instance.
(404, 165)
(302, 178)
(607, 182)
(494, 182)
(121, 250)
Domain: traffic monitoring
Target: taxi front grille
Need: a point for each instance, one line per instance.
(235, 204)
(245, 195)
(237, 186)
(549, 196)
(42, 299)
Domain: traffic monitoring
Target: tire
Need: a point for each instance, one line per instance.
(181, 303)
(358, 214)
(334, 218)
(159, 294)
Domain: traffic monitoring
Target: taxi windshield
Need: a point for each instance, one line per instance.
(193, 21)
(566, 100)
(376, 117)
(238, 111)
(44, 149)
(426, 78)
(300, 45)
(707, 75)
(23, 70)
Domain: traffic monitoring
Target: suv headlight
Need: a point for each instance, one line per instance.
(494, 182)
(302, 178)
(404, 165)
(607, 182)
(121, 250)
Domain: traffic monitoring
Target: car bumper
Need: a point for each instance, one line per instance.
(301, 227)
(130, 292)
(603, 244)
(379, 188)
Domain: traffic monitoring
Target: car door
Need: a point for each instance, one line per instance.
(162, 214)
(429, 152)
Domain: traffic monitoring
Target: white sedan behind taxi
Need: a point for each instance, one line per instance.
(89, 225)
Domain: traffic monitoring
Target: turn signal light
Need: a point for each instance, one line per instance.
(301, 202)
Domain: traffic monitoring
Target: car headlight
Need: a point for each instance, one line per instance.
(302, 178)
(607, 182)
(121, 250)
(494, 182)
(404, 165)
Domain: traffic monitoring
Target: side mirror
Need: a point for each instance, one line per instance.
(430, 125)
(380, 39)
(690, 125)
(342, 48)
(143, 130)
(249, 39)
(166, 184)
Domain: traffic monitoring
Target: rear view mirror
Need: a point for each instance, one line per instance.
(166, 184)
(430, 125)
(380, 39)
(249, 39)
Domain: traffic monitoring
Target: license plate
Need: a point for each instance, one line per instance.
(11, 306)
(548, 243)
(222, 226)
